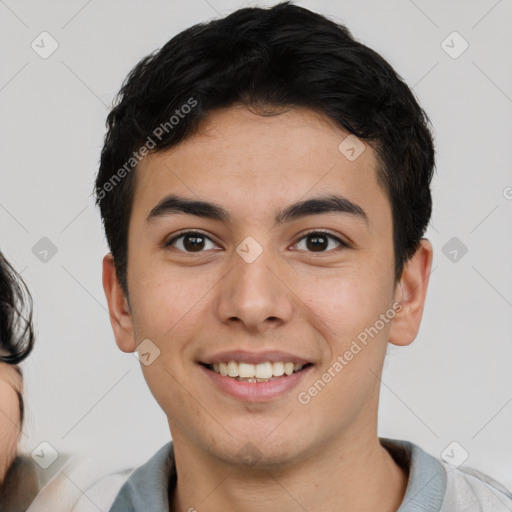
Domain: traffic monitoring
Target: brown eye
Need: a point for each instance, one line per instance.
(190, 241)
(318, 241)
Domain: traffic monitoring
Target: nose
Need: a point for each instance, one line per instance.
(255, 294)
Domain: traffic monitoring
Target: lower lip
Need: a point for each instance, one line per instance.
(257, 391)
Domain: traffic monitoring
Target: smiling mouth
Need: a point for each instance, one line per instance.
(262, 372)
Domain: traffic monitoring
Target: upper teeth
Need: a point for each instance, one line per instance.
(260, 371)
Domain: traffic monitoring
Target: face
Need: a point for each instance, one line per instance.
(252, 279)
(10, 384)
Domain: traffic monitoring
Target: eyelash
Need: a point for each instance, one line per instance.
(328, 234)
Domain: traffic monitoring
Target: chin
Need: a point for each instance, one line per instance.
(251, 457)
(258, 447)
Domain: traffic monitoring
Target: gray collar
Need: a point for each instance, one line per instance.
(147, 488)
(427, 478)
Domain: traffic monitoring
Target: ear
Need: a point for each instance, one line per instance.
(410, 293)
(119, 309)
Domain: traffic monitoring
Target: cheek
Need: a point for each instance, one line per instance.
(347, 303)
(165, 307)
(347, 313)
(167, 311)
(9, 423)
(157, 300)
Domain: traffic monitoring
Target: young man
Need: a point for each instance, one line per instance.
(265, 187)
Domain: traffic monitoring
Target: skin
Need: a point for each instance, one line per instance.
(10, 383)
(292, 298)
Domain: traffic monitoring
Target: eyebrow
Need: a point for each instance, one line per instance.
(174, 204)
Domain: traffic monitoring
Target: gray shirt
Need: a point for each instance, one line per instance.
(433, 486)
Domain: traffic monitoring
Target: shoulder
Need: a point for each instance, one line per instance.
(438, 486)
(470, 490)
(139, 489)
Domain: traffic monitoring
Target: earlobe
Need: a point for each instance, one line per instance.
(411, 293)
(118, 306)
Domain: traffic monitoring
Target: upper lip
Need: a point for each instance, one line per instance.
(254, 357)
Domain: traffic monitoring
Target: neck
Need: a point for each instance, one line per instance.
(355, 473)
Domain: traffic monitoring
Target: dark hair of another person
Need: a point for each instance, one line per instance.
(269, 59)
(16, 328)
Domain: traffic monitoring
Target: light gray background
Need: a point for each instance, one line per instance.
(454, 383)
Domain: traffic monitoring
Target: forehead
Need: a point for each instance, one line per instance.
(247, 159)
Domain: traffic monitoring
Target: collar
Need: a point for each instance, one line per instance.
(146, 490)
(427, 478)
